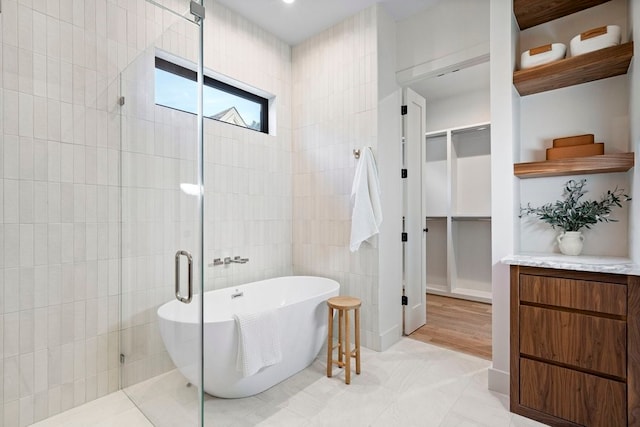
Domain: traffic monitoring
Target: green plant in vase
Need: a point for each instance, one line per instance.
(572, 214)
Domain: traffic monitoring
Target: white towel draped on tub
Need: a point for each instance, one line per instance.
(365, 195)
(258, 341)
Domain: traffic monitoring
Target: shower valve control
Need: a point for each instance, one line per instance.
(228, 260)
(236, 260)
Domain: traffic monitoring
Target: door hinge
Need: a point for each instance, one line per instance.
(405, 300)
(403, 110)
(121, 101)
(197, 10)
(404, 237)
(122, 358)
(403, 173)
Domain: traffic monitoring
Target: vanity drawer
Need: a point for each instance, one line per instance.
(601, 297)
(593, 343)
(578, 397)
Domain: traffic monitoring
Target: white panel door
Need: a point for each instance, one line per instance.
(414, 127)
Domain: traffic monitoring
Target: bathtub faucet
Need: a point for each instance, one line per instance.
(236, 259)
(236, 294)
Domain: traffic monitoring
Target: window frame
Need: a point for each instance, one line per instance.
(170, 67)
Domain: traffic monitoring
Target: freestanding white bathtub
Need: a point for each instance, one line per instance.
(302, 317)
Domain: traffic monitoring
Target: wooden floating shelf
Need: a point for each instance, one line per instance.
(619, 162)
(600, 64)
(530, 13)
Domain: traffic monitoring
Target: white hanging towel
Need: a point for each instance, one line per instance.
(365, 196)
(258, 341)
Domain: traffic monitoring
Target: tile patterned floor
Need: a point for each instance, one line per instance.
(411, 384)
(115, 409)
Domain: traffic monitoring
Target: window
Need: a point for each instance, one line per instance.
(176, 88)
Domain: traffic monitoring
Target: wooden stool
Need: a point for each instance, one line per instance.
(343, 304)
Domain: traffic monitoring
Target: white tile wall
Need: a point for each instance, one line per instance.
(334, 111)
(60, 197)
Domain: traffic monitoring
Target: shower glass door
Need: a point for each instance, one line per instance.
(161, 194)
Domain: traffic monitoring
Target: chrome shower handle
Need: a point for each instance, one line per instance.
(179, 297)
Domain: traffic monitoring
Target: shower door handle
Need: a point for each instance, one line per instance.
(179, 297)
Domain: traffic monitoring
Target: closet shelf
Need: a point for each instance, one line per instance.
(600, 64)
(471, 217)
(606, 163)
(530, 13)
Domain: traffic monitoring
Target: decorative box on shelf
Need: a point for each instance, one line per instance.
(542, 55)
(575, 146)
(595, 39)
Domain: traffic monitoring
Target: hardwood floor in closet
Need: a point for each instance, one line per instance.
(457, 324)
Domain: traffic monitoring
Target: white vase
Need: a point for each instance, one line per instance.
(570, 242)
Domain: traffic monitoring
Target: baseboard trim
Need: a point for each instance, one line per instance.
(499, 381)
(385, 340)
(390, 337)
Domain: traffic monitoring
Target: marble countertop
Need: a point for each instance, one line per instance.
(598, 264)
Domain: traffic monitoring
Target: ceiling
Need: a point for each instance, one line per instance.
(294, 23)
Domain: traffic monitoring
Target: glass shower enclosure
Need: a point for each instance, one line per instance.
(161, 243)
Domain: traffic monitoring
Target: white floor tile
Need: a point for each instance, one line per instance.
(411, 384)
(115, 409)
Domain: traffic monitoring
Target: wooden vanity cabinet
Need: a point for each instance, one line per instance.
(575, 358)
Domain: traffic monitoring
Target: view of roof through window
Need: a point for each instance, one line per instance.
(176, 87)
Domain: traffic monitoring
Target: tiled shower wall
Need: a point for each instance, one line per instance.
(248, 201)
(60, 190)
(335, 103)
(59, 267)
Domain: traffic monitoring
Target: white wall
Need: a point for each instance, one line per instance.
(504, 141)
(389, 161)
(572, 111)
(459, 110)
(445, 28)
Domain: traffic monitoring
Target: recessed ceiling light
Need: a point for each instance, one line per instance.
(288, 1)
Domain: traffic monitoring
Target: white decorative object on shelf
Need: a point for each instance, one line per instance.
(570, 242)
(542, 55)
(595, 39)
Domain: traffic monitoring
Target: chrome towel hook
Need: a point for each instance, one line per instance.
(356, 153)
